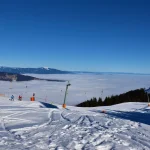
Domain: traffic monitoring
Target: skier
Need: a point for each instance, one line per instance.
(12, 98)
(20, 98)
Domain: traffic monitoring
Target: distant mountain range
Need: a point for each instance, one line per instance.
(41, 70)
(47, 70)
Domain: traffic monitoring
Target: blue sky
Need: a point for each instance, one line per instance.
(89, 35)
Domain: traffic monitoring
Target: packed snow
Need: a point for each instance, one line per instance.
(27, 125)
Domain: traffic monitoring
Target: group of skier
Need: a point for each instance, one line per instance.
(19, 98)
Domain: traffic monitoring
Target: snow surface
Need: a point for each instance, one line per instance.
(29, 125)
(46, 68)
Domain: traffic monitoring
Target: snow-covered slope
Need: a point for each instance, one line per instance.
(39, 126)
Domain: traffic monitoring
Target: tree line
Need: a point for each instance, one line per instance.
(137, 95)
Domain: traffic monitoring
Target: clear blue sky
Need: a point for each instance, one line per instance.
(89, 35)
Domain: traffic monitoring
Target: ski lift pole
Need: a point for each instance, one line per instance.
(64, 104)
(148, 97)
(148, 92)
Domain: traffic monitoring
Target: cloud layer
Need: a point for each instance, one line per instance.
(83, 87)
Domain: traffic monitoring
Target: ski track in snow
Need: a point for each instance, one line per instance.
(70, 129)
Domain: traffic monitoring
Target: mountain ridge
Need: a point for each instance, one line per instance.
(47, 70)
(39, 70)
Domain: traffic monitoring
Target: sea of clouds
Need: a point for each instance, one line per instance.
(83, 87)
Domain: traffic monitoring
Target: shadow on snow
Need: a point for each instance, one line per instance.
(137, 116)
(142, 117)
(48, 105)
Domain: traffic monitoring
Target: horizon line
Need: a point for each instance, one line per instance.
(77, 71)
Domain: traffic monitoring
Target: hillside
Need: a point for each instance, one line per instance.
(18, 77)
(36, 126)
(138, 95)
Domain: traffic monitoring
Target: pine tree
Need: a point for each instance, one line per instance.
(100, 102)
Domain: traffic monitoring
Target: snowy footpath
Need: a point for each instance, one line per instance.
(37, 126)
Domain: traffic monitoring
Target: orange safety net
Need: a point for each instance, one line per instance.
(3, 95)
(32, 98)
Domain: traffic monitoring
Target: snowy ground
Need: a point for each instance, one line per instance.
(33, 126)
(83, 87)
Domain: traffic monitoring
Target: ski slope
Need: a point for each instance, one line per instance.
(26, 125)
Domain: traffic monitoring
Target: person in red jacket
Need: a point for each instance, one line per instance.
(20, 98)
